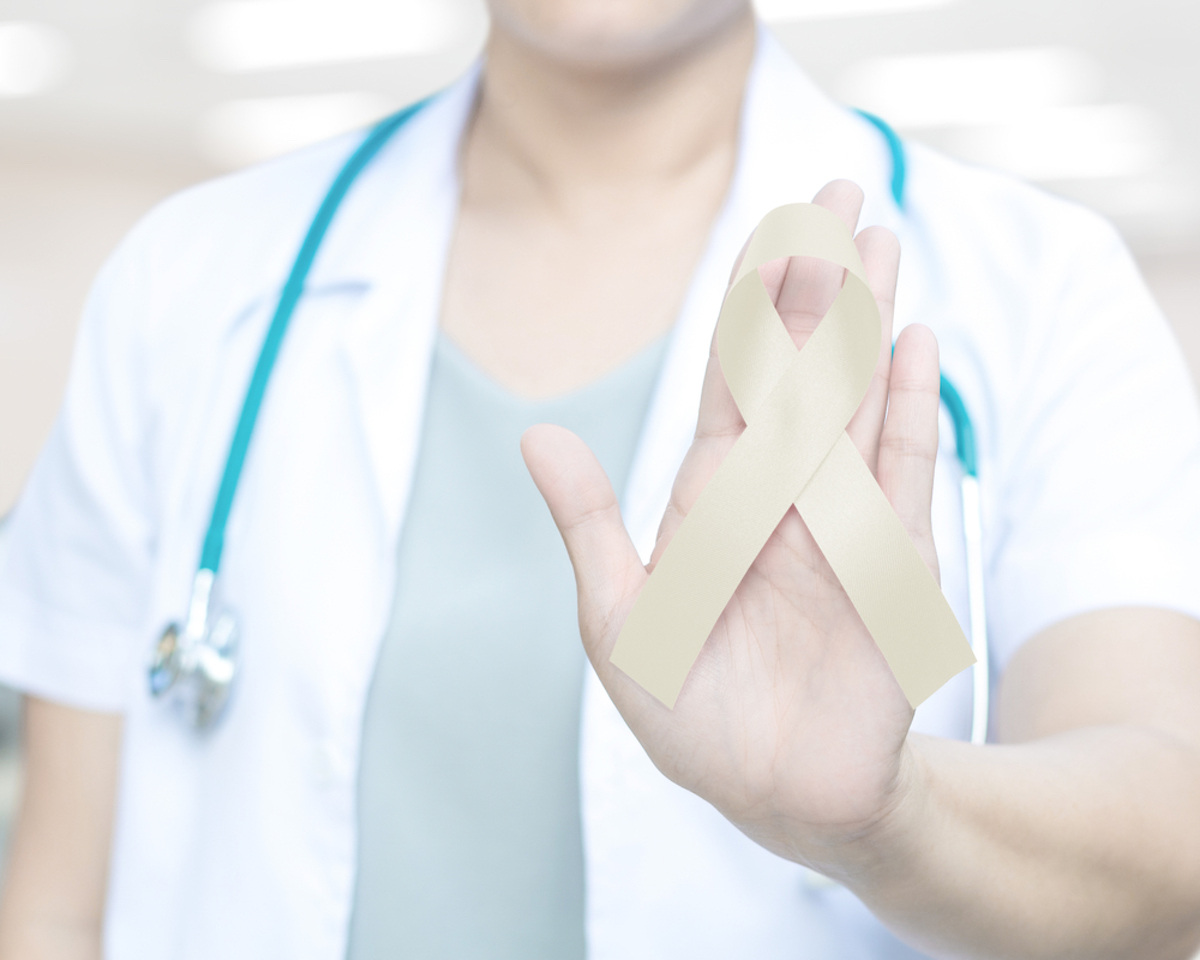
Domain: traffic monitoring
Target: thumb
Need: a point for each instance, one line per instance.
(608, 572)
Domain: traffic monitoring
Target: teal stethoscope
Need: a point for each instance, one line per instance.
(196, 662)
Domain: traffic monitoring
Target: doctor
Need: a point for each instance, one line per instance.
(416, 760)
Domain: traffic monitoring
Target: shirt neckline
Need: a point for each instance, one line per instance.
(640, 364)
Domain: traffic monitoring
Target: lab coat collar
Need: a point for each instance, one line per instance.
(392, 207)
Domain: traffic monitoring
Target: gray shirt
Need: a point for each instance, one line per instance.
(470, 840)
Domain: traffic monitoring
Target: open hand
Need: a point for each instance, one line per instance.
(790, 722)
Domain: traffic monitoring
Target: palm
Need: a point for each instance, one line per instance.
(790, 722)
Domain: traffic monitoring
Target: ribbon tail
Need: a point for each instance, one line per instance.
(881, 571)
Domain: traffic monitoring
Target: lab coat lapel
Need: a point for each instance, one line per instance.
(661, 863)
(401, 247)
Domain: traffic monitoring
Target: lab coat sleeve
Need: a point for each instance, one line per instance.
(1095, 488)
(74, 577)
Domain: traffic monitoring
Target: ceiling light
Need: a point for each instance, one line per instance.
(33, 58)
(981, 86)
(242, 132)
(1068, 143)
(244, 35)
(775, 11)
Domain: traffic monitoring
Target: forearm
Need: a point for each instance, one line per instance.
(30, 937)
(1085, 844)
(54, 888)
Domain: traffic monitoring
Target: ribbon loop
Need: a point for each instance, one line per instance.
(794, 450)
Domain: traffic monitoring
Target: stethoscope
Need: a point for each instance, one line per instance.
(196, 663)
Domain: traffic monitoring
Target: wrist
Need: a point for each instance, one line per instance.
(888, 851)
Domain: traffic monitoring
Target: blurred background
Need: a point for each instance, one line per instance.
(106, 106)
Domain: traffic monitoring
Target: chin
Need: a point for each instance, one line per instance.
(599, 33)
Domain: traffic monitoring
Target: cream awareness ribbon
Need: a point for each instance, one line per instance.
(796, 404)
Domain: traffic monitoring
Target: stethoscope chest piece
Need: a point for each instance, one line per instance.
(194, 665)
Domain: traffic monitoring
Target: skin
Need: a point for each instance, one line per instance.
(602, 144)
(53, 905)
(578, 171)
(1076, 836)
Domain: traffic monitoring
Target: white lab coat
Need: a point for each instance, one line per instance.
(241, 843)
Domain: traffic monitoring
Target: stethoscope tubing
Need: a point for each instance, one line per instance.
(972, 515)
(196, 624)
(967, 453)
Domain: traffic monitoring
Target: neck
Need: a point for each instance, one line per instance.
(569, 136)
